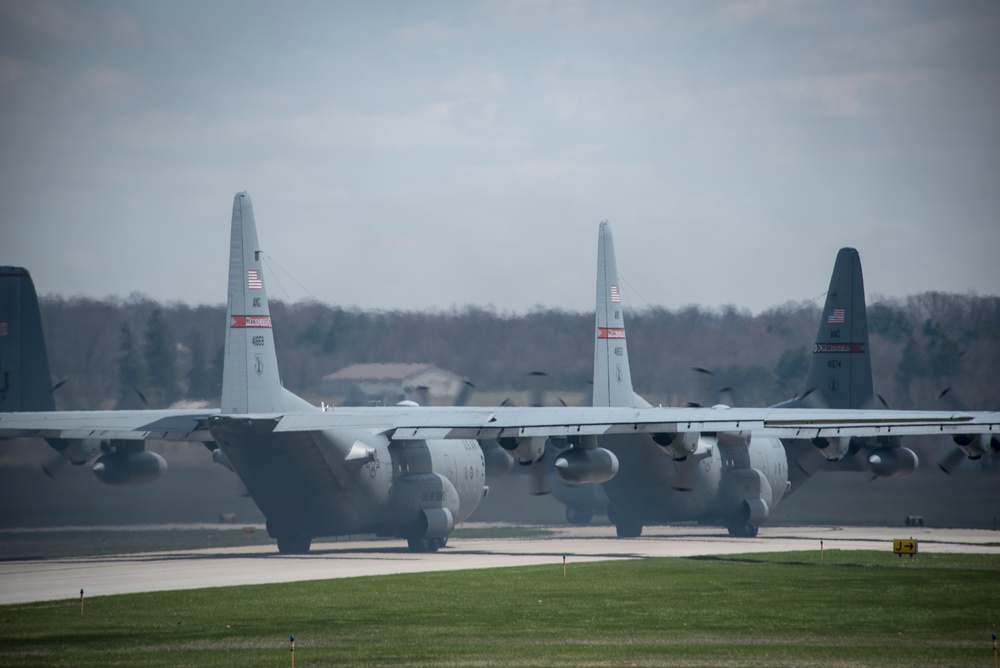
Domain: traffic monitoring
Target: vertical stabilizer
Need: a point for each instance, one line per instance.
(250, 382)
(612, 377)
(840, 370)
(25, 382)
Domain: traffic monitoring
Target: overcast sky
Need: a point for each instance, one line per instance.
(435, 154)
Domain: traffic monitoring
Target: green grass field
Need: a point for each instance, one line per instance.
(851, 609)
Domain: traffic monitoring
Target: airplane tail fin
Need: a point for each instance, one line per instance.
(250, 381)
(25, 381)
(612, 376)
(840, 370)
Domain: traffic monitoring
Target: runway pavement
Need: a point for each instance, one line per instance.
(42, 580)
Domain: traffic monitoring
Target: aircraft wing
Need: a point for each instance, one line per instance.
(160, 425)
(481, 423)
(422, 423)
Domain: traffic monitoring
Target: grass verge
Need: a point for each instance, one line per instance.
(790, 609)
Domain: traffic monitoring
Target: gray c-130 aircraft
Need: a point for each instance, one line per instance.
(736, 479)
(406, 471)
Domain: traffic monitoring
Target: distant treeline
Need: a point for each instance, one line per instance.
(111, 352)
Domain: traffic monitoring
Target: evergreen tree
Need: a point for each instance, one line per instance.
(792, 368)
(911, 367)
(161, 361)
(944, 355)
(889, 322)
(131, 373)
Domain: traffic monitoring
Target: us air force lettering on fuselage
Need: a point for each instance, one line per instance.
(405, 471)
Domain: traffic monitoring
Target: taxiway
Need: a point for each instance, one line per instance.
(41, 580)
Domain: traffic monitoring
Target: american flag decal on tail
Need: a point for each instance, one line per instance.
(253, 280)
(835, 317)
(614, 294)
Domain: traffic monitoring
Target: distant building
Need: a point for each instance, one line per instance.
(390, 383)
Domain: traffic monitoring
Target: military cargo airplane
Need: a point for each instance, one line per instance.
(406, 471)
(737, 478)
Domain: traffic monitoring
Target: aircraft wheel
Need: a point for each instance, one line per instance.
(294, 544)
(578, 516)
(743, 530)
(626, 529)
(426, 544)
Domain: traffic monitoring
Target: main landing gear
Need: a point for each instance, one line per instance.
(743, 530)
(578, 516)
(625, 527)
(289, 541)
(426, 544)
(294, 544)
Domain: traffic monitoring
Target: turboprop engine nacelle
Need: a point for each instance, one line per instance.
(973, 445)
(126, 469)
(578, 465)
(79, 450)
(833, 449)
(680, 445)
(892, 462)
(524, 450)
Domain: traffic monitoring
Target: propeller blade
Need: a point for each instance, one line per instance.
(950, 399)
(423, 394)
(464, 392)
(726, 396)
(950, 461)
(541, 473)
(882, 400)
(537, 382)
(686, 473)
(52, 465)
(704, 388)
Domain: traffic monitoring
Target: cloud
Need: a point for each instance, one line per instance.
(476, 84)
(512, 13)
(781, 12)
(424, 33)
(68, 23)
(848, 95)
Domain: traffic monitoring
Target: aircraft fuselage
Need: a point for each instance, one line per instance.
(340, 482)
(727, 482)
